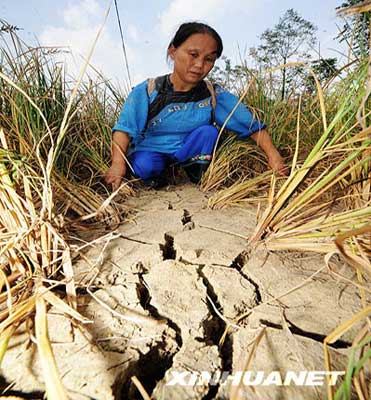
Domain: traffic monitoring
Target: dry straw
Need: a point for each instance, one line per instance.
(33, 252)
(325, 203)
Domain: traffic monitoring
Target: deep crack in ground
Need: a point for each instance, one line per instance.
(238, 263)
(317, 337)
(6, 390)
(151, 367)
(168, 251)
(213, 332)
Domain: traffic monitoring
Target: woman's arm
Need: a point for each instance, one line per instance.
(117, 171)
(243, 122)
(275, 161)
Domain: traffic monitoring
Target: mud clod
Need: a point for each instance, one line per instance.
(145, 301)
(186, 217)
(239, 262)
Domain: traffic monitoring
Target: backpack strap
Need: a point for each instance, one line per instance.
(151, 85)
(211, 89)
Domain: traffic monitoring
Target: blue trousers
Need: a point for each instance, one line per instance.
(197, 147)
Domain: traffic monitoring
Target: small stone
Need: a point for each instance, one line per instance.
(189, 226)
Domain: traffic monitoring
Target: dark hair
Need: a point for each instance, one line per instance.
(190, 28)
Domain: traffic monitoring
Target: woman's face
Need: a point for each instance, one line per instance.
(193, 59)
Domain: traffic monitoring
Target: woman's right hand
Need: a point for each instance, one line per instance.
(115, 174)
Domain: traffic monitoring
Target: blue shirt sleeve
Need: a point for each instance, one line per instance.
(242, 121)
(133, 116)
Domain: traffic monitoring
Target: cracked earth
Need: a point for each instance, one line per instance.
(176, 289)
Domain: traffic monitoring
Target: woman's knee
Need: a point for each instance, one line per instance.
(147, 164)
(209, 131)
(207, 134)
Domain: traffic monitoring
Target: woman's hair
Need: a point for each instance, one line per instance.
(190, 28)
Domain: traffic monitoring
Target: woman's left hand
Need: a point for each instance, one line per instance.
(275, 161)
(277, 164)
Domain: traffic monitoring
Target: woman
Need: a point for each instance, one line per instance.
(170, 119)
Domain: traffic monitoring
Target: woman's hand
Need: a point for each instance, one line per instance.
(117, 171)
(115, 174)
(276, 162)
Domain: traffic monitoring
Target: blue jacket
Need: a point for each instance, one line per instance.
(160, 122)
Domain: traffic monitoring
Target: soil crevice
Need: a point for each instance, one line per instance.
(151, 367)
(168, 250)
(238, 263)
(317, 337)
(214, 330)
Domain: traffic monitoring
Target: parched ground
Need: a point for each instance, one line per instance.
(174, 290)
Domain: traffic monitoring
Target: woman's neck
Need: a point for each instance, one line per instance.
(179, 85)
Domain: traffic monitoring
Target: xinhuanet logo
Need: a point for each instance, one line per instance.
(255, 378)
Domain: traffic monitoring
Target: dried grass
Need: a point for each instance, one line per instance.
(40, 191)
